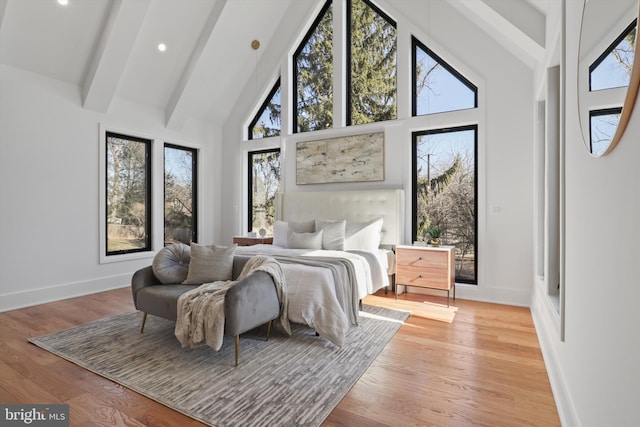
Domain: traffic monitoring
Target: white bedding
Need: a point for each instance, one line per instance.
(311, 290)
(312, 301)
(372, 268)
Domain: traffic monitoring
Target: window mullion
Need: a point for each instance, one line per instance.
(340, 66)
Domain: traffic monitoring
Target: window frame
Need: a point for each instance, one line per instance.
(261, 110)
(414, 184)
(349, 57)
(148, 196)
(250, 155)
(608, 51)
(415, 44)
(295, 71)
(596, 113)
(194, 189)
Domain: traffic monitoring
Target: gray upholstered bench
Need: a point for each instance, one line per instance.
(250, 303)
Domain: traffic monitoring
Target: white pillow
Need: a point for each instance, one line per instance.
(302, 226)
(305, 240)
(280, 234)
(281, 230)
(364, 236)
(333, 233)
(210, 264)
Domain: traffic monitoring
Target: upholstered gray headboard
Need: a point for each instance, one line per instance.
(354, 205)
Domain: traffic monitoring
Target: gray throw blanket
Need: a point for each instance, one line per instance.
(201, 311)
(344, 278)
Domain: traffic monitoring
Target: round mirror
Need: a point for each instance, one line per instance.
(608, 72)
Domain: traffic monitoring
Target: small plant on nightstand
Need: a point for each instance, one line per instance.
(434, 233)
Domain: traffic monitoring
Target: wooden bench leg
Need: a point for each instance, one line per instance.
(237, 347)
(144, 319)
(269, 329)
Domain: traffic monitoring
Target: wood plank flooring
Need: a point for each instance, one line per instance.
(484, 369)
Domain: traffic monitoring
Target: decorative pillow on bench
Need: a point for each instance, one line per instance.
(210, 263)
(171, 263)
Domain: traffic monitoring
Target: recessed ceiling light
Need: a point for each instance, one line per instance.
(162, 47)
(63, 2)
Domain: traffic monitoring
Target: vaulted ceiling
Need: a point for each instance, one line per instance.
(109, 48)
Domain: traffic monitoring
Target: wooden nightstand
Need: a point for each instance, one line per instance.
(250, 241)
(426, 267)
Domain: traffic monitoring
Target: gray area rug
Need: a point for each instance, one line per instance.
(286, 381)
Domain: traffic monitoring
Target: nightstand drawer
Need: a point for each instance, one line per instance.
(424, 277)
(422, 259)
(426, 267)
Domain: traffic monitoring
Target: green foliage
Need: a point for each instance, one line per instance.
(373, 65)
(434, 232)
(271, 124)
(373, 71)
(448, 207)
(265, 185)
(178, 195)
(429, 193)
(314, 90)
(127, 181)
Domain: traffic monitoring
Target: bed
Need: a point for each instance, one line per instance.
(335, 248)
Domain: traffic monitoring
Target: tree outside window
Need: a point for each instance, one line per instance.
(372, 62)
(264, 184)
(313, 62)
(444, 173)
(180, 172)
(128, 194)
(267, 121)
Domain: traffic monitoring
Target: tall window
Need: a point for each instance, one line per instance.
(372, 69)
(180, 189)
(264, 184)
(313, 73)
(128, 194)
(438, 87)
(445, 192)
(266, 123)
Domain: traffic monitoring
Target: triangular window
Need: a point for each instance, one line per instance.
(438, 87)
(267, 121)
(613, 68)
(372, 64)
(313, 74)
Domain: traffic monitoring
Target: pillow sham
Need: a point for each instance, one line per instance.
(302, 226)
(333, 233)
(171, 263)
(364, 236)
(280, 234)
(210, 264)
(305, 240)
(281, 230)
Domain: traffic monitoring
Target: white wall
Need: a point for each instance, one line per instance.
(595, 372)
(49, 186)
(505, 118)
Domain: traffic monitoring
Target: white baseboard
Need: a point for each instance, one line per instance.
(472, 292)
(15, 300)
(549, 332)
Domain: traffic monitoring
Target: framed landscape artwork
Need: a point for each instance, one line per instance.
(354, 158)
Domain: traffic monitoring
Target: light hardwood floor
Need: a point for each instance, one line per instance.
(484, 369)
